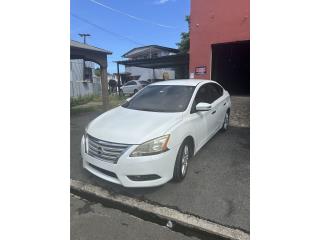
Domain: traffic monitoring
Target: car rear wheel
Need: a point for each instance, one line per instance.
(226, 121)
(181, 165)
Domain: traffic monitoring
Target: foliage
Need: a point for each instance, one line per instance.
(184, 44)
(97, 72)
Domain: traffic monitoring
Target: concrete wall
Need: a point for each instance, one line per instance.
(215, 21)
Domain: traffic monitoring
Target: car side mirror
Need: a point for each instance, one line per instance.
(202, 106)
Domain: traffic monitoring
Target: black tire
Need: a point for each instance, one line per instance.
(226, 120)
(135, 91)
(178, 173)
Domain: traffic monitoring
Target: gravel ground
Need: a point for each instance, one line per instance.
(240, 111)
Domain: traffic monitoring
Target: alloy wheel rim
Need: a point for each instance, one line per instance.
(185, 158)
(226, 120)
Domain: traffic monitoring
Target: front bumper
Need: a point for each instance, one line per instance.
(161, 165)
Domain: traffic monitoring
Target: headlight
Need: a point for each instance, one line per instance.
(152, 147)
(86, 144)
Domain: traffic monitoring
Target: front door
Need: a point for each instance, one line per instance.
(215, 93)
(208, 121)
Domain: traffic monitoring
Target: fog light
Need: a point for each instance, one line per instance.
(143, 177)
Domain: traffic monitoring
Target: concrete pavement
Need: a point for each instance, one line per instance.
(94, 222)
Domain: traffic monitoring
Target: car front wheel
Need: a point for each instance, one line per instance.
(181, 165)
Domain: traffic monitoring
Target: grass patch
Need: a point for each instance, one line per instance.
(116, 100)
(94, 103)
(76, 101)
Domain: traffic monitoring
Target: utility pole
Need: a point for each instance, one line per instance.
(84, 35)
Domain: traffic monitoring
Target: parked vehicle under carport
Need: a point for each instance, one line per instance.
(133, 86)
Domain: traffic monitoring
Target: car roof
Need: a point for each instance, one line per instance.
(182, 82)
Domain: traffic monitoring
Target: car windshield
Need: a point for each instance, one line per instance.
(161, 98)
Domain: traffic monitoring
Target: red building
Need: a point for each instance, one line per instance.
(219, 43)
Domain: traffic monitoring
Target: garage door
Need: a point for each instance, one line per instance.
(231, 66)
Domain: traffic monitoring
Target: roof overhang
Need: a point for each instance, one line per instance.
(170, 61)
(89, 48)
(152, 48)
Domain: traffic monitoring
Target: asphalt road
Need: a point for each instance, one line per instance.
(93, 221)
(217, 186)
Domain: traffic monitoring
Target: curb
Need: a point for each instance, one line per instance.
(162, 212)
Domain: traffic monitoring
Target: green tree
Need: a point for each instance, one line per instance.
(97, 72)
(184, 44)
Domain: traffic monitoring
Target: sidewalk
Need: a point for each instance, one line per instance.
(93, 221)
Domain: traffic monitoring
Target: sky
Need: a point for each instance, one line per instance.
(120, 25)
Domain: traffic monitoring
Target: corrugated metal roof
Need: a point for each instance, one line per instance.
(173, 50)
(158, 62)
(76, 44)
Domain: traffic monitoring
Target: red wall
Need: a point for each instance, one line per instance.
(215, 21)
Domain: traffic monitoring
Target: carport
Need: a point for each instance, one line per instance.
(179, 62)
(97, 55)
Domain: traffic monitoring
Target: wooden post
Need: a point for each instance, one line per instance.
(118, 78)
(104, 86)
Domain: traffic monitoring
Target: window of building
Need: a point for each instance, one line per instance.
(88, 74)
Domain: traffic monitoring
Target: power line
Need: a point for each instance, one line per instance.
(105, 30)
(131, 16)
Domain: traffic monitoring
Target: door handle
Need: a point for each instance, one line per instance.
(213, 112)
(224, 103)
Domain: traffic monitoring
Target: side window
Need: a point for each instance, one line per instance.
(219, 88)
(207, 93)
(203, 95)
(215, 92)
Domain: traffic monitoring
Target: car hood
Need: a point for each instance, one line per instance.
(122, 125)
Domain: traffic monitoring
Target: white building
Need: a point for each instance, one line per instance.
(149, 52)
(83, 80)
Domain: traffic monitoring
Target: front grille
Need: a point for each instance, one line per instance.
(105, 151)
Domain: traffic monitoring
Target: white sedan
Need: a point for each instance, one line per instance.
(133, 86)
(150, 139)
